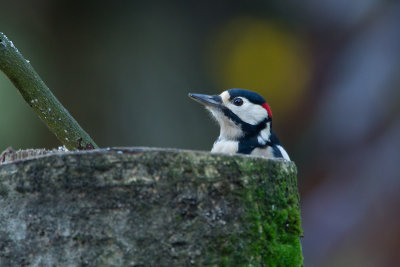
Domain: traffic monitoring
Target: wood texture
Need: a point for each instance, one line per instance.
(148, 207)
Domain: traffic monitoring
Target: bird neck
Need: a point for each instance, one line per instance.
(234, 132)
(261, 140)
(230, 131)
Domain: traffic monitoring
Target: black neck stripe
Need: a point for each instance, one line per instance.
(248, 129)
(247, 145)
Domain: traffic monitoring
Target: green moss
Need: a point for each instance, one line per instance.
(272, 235)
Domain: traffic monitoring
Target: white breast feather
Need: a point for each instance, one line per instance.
(225, 146)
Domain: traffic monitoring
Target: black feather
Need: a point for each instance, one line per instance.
(251, 96)
(247, 145)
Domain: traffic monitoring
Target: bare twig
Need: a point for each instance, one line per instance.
(40, 98)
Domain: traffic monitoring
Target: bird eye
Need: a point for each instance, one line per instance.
(238, 101)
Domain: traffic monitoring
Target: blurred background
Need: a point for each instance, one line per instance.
(329, 70)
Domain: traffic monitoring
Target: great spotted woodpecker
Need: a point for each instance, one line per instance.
(245, 121)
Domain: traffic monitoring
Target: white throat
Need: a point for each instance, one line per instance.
(228, 129)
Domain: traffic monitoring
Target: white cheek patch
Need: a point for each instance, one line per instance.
(266, 133)
(248, 112)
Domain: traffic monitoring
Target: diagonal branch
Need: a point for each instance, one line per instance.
(40, 98)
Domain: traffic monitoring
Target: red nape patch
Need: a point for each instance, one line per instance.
(265, 105)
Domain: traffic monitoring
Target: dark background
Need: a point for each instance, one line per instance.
(329, 70)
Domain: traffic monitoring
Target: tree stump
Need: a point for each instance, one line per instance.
(148, 207)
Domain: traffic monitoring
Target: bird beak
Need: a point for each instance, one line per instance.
(207, 100)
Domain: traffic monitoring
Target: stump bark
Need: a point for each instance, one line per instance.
(149, 207)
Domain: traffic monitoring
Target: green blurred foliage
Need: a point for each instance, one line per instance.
(18, 123)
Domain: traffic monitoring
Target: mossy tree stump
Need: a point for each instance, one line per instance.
(149, 207)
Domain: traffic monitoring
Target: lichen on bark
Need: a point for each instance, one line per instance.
(149, 207)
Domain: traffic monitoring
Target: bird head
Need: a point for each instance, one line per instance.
(240, 113)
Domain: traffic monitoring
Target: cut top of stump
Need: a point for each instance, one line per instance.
(149, 207)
